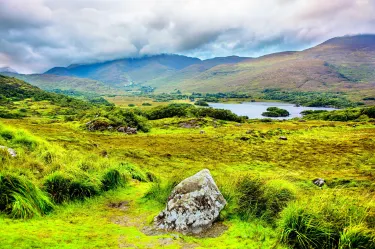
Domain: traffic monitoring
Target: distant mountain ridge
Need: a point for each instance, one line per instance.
(7, 70)
(128, 71)
(339, 64)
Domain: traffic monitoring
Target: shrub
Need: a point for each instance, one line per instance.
(218, 114)
(131, 118)
(146, 104)
(62, 188)
(169, 111)
(131, 105)
(113, 179)
(21, 199)
(201, 103)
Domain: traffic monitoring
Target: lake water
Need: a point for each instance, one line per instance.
(255, 109)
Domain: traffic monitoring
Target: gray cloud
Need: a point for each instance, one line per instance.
(38, 34)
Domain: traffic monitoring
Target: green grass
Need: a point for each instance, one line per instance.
(275, 202)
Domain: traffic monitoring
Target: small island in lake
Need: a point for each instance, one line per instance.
(275, 112)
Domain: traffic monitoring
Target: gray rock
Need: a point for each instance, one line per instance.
(194, 204)
(127, 130)
(130, 130)
(10, 151)
(319, 182)
(283, 138)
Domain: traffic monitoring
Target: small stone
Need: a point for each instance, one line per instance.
(319, 182)
(202, 132)
(10, 151)
(283, 138)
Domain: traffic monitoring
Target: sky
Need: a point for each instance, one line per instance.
(36, 35)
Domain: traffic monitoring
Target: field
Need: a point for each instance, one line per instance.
(339, 152)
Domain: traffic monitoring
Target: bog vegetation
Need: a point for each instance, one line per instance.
(101, 188)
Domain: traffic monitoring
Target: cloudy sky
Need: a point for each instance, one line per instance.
(38, 34)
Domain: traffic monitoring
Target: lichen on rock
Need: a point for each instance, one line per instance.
(194, 204)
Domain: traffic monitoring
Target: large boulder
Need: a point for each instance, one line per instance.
(194, 204)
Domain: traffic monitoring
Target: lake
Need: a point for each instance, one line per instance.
(255, 109)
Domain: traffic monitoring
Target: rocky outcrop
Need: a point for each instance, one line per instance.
(10, 151)
(194, 204)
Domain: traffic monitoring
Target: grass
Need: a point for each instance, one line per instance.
(272, 202)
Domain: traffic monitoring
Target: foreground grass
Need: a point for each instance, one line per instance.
(339, 152)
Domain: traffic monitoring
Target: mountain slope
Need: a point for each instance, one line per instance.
(53, 82)
(340, 64)
(120, 73)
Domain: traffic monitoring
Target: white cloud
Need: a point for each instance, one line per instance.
(38, 34)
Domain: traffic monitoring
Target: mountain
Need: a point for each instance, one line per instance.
(119, 73)
(7, 70)
(129, 71)
(52, 82)
(340, 64)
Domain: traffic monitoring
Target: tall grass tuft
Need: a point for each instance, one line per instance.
(134, 172)
(160, 192)
(357, 237)
(21, 199)
(261, 199)
(325, 221)
(63, 188)
(113, 179)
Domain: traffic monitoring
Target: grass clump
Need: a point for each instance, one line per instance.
(113, 179)
(62, 188)
(325, 222)
(22, 199)
(134, 172)
(257, 198)
(160, 192)
(359, 237)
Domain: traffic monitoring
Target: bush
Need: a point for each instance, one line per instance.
(169, 111)
(62, 188)
(129, 118)
(146, 104)
(217, 114)
(113, 179)
(21, 199)
(201, 103)
(131, 105)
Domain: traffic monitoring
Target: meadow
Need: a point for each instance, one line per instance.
(73, 188)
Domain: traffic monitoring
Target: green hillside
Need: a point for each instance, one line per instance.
(341, 64)
(53, 82)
